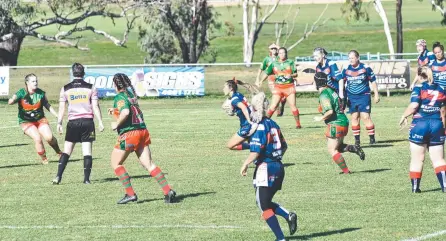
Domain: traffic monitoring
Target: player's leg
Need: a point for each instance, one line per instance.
(416, 165)
(32, 131)
(356, 128)
(342, 147)
(72, 135)
(45, 131)
(275, 99)
(365, 110)
(145, 158)
(291, 100)
(237, 141)
(88, 136)
(436, 152)
(264, 197)
(332, 147)
(281, 108)
(118, 157)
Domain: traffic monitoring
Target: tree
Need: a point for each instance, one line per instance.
(399, 28)
(178, 32)
(20, 19)
(438, 5)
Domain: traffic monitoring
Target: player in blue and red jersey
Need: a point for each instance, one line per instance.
(267, 146)
(330, 68)
(237, 104)
(424, 59)
(439, 65)
(357, 77)
(427, 128)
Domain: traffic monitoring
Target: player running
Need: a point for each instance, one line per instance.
(337, 122)
(133, 137)
(330, 68)
(285, 72)
(267, 61)
(237, 104)
(82, 101)
(267, 147)
(425, 58)
(357, 77)
(439, 65)
(427, 129)
(32, 120)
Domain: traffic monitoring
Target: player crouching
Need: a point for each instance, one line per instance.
(267, 147)
(337, 122)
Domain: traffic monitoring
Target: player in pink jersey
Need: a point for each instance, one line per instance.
(83, 105)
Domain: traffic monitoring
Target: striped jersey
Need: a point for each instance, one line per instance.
(357, 79)
(430, 99)
(239, 98)
(439, 72)
(425, 58)
(79, 95)
(331, 70)
(268, 141)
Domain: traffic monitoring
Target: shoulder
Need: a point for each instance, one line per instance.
(40, 91)
(364, 65)
(331, 63)
(21, 91)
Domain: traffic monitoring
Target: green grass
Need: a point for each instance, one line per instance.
(419, 22)
(374, 203)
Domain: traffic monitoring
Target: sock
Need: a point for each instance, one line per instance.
(281, 211)
(269, 113)
(371, 131)
(273, 223)
(415, 179)
(441, 175)
(243, 146)
(356, 132)
(124, 177)
(54, 145)
(62, 164)
(88, 163)
(161, 179)
(339, 159)
(347, 148)
(42, 154)
(296, 117)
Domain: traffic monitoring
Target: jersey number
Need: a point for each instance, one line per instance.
(136, 115)
(275, 134)
(434, 94)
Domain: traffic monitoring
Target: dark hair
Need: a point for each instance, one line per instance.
(122, 82)
(78, 70)
(438, 44)
(321, 79)
(286, 51)
(321, 50)
(233, 84)
(355, 52)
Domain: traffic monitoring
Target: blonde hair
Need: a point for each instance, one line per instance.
(426, 74)
(259, 104)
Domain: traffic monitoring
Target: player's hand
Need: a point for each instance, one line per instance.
(59, 129)
(244, 170)
(257, 83)
(110, 111)
(317, 118)
(403, 122)
(114, 125)
(376, 99)
(101, 127)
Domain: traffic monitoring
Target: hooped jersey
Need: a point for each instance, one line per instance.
(439, 72)
(282, 70)
(331, 70)
(329, 100)
(430, 99)
(31, 106)
(357, 79)
(237, 98)
(268, 141)
(135, 119)
(426, 58)
(267, 61)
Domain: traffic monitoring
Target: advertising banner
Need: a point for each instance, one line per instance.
(4, 81)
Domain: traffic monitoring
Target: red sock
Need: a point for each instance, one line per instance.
(124, 177)
(414, 175)
(356, 130)
(161, 179)
(440, 169)
(42, 154)
(269, 113)
(371, 130)
(296, 117)
(339, 159)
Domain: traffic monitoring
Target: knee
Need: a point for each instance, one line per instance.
(48, 138)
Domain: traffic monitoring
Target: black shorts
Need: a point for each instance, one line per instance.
(80, 130)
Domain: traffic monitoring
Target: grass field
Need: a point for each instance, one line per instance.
(374, 203)
(419, 22)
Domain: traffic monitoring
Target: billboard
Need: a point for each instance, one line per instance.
(150, 81)
(391, 74)
(4, 81)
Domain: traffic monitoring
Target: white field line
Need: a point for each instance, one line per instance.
(121, 227)
(427, 236)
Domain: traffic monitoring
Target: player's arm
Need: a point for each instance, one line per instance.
(268, 71)
(48, 106)
(372, 79)
(124, 112)
(337, 75)
(327, 109)
(415, 100)
(262, 68)
(244, 110)
(443, 116)
(257, 143)
(97, 108)
(62, 102)
(293, 70)
(12, 100)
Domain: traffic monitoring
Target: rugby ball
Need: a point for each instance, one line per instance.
(228, 108)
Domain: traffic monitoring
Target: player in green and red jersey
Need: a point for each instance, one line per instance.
(32, 120)
(337, 122)
(267, 61)
(133, 136)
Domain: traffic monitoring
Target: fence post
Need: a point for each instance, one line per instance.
(368, 55)
(378, 55)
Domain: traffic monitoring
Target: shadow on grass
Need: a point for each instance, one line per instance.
(377, 146)
(391, 141)
(374, 171)
(14, 145)
(288, 164)
(322, 234)
(179, 198)
(76, 160)
(432, 190)
(115, 179)
(20, 165)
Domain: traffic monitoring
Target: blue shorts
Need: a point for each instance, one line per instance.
(245, 131)
(359, 103)
(269, 174)
(427, 131)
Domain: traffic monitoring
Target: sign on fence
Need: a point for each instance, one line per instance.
(150, 81)
(4, 81)
(391, 74)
